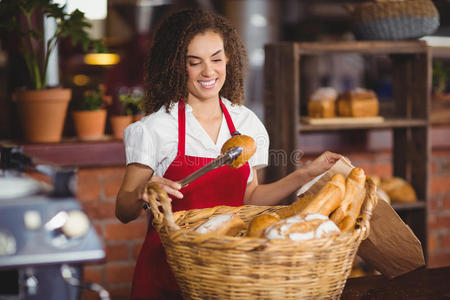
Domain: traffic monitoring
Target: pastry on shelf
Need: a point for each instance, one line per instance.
(358, 103)
(398, 189)
(322, 103)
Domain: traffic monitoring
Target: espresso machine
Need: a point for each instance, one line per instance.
(45, 237)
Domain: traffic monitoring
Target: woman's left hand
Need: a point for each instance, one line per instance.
(322, 163)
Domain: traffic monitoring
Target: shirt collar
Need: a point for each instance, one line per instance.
(228, 104)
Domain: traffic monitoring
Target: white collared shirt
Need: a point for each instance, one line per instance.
(153, 141)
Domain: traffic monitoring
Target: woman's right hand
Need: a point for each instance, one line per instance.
(169, 186)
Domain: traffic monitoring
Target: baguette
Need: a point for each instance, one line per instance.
(353, 212)
(354, 188)
(328, 198)
(260, 223)
(295, 208)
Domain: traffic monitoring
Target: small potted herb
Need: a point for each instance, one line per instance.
(90, 116)
(131, 102)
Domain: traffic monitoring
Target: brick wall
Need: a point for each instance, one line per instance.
(98, 187)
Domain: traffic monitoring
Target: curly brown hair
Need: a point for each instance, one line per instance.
(166, 73)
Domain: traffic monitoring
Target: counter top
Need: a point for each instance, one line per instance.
(422, 283)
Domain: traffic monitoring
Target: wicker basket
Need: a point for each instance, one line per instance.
(395, 19)
(240, 267)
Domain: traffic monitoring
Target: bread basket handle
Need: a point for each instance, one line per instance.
(157, 198)
(363, 222)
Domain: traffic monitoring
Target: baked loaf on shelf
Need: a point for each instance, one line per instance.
(398, 189)
(322, 103)
(358, 103)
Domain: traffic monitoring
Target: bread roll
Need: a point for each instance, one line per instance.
(248, 149)
(261, 222)
(302, 227)
(398, 189)
(328, 198)
(295, 208)
(224, 224)
(354, 188)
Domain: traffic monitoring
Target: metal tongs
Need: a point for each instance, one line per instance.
(223, 159)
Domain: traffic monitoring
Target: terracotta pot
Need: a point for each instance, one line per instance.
(89, 124)
(118, 125)
(42, 113)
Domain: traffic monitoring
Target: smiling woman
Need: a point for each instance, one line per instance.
(195, 89)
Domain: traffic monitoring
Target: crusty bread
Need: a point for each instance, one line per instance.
(302, 227)
(358, 103)
(354, 209)
(398, 189)
(248, 149)
(261, 222)
(328, 198)
(322, 103)
(224, 224)
(354, 189)
(295, 208)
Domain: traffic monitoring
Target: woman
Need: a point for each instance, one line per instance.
(195, 94)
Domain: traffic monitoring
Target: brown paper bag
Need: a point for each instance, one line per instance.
(391, 247)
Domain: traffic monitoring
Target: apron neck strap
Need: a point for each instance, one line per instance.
(182, 124)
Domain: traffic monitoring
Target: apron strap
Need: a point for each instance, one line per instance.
(182, 125)
(228, 119)
(181, 128)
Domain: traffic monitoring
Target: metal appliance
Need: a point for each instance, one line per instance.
(45, 237)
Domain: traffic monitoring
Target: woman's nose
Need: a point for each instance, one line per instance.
(208, 70)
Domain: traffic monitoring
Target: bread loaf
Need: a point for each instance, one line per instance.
(224, 224)
(358, 103)
(328, 198)
(354, 189)
(248, 149)
(260, 223)
(302, 227)
(322, 103)
(398, 189)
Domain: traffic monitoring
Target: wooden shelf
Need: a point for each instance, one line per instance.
(408, 206)
(361, 47)
(388, 123)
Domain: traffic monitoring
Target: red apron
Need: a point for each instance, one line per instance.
(223, 186)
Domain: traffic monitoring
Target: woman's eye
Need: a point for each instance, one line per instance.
(217, 60)
(193, 63)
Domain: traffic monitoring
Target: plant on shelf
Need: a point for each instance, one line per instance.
(90, 116)
(16, 17)
(440, 77)
(132, 102)
(131, 110)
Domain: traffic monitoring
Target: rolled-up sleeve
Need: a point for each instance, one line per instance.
(139, 145)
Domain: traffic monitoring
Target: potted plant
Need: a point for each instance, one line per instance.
(90, 116)
(42, 110)
(131, 102)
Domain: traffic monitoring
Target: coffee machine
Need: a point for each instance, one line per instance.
(45, 237)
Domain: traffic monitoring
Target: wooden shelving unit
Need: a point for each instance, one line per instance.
(411, 83)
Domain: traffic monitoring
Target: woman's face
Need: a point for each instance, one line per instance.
(206, 66)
